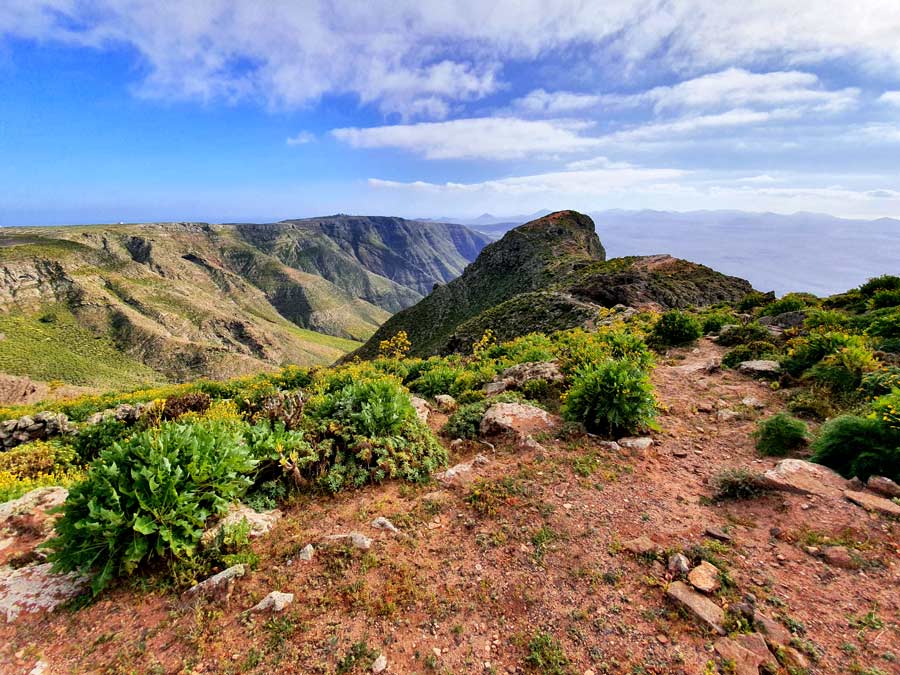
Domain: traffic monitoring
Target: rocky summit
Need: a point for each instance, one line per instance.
(549, 274)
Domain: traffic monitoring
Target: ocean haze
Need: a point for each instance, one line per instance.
(812, 252)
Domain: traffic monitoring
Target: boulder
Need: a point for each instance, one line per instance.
(274, 601)
(762, 368)
(494, 388)
(785, 320)
(219, 585)
(36, 588)
(679, 565)
(775, 635)
(260, 523)
(421, 406)
(874, 503)
(704, 609)
(756, 643)
(306, 553)
(38, 500)
(883, 486)
(637, 445)
(458, 470)
(518, 375)
(520, 419)
(705, 577)
(805, 478)
(379, 665)
(741, 660)
(445, 403)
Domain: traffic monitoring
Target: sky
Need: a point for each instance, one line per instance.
(224, 110)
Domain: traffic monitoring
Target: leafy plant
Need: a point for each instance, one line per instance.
(546, 655)
(94, 438)
(792, 302)
(885, 298)
(676, 328)
(148, 498)
(745, 334)
(737, 483)
(780, 434)
(748, 352)
(613, 397)
(859, 446)
(712, 322)
(885, 282)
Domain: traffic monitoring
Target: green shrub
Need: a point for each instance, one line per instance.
(31, 460)
(94, 438)
(713, 321)
(885, 282)
(886, 409)
(792, 302)
(880, 382)
(805, 352)
(676, 328)
(614, 397)
(885, 298)
(858, 446)
(780, 434)
(737, 483)
(754, 299)
(148, 498)
(813, 402)
(367, 431)
(749, 352)
(438, 380)
(825, 319)
(740, 335)
(546, 655)
(842, 372)
(885, 326)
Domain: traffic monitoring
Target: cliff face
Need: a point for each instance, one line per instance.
(549, 274)
(194, 300)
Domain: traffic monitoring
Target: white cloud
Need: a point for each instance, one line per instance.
(891, 98)
(541, 102)
(736, 87)
(301, 138)
(597, 163)
(424, 55)
(481, 138)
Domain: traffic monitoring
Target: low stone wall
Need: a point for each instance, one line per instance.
(32, 428)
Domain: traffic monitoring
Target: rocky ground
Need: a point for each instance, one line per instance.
(563, 537)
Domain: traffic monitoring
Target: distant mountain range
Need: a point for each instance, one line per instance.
(123, 304)
(802, 251)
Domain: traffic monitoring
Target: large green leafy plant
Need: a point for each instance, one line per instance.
(613, 397)
(148, 498)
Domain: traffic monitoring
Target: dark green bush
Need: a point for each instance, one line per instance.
(93, 438)
(614, 397)
(885, 326)
(438, 380)
(740, 335)
(148, 498)
(780, 434)
(885, 298)
(713, 321)
(749, 352)
(754, 299)
(366, 431)
(792, 302)
(880, 382)
(676, 328)
(805, 352)
(825, 319)
(885, 282)
(859, 446)
(812, 402)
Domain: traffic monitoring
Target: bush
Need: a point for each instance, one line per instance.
(859, 446)
(740, 335)
(676, 328)
(546, 655)
(94, 438)
(886, 326)
(813, 402)
(713, 321)
(885, 298)
(737, 484)
(438, 380)
(843, 371)
(886, 409)
(148, 498)
(31, 460)
(792, 302)
(755, 350)
(780, 434)
(754, 299)
(367, 431)
(825, 319)
(805, 352)
(880, 382)
(614, 397)
(176, 406)
(885, 282)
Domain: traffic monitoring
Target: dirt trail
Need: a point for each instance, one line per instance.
(463, 590)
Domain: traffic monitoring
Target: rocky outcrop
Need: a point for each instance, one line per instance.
(519, 419)
(29, 428)
(704, 609)
(805, 478)
(36, 588)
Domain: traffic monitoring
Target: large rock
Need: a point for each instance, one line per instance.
(741, 659)
(785, 320)
(883, 486)
(520, 419)
(36, 589)
(219, 585)
(446, 403)
(760, 368)
(516, 376)
(421, 406)
(705, 577)
(805, 478)
(775, 635)
(875, 503)
(40, 499)
(700, 606)
(260, 523)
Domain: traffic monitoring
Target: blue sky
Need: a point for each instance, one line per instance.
(236, 110)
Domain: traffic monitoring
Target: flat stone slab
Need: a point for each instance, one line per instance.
(760, 368)
(883, 486)
(744, 661)
(875, 503)
(36, 589)
(42, 498)
(219, 584)
(705, 577)
(355, 539)
(775, 635)
(704, 609)
(805, 478)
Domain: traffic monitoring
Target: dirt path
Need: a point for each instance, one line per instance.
(534, 545)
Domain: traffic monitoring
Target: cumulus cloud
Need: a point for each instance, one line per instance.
(418, 57)
(476, 138)
(543, 102)
(891, 98)
(736, 87)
